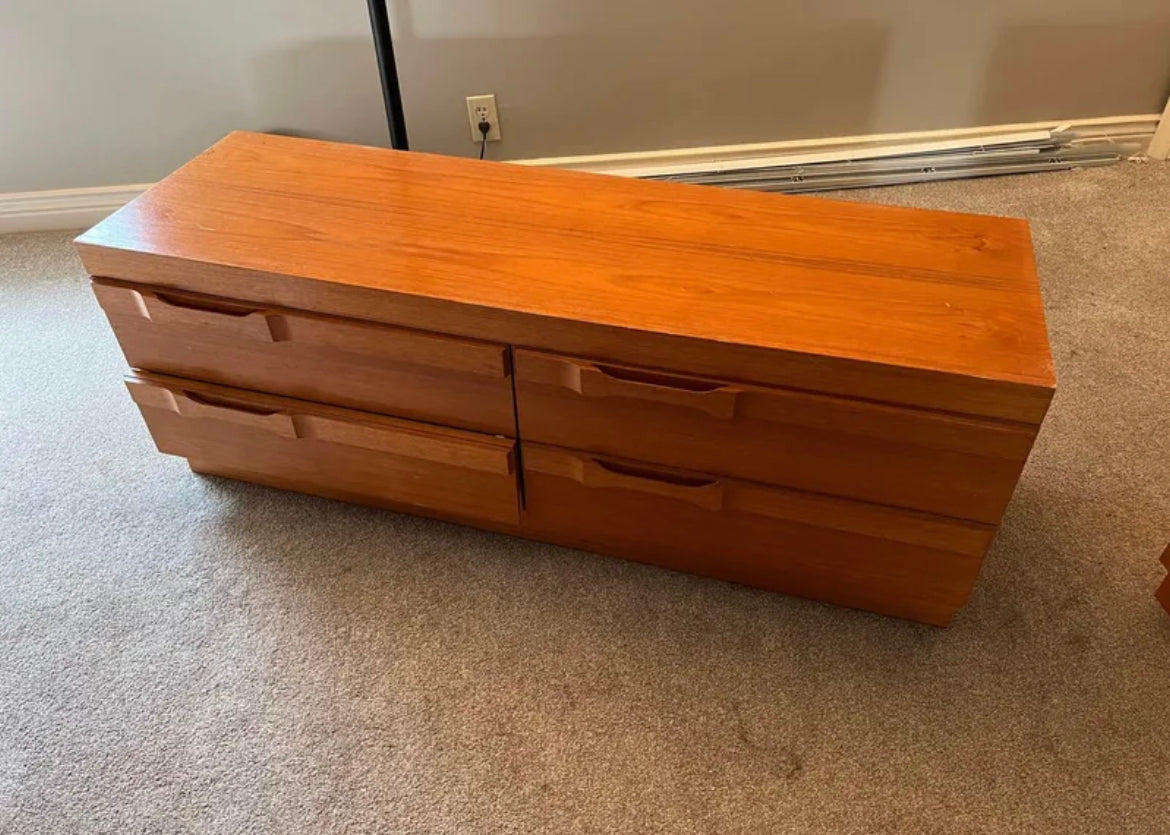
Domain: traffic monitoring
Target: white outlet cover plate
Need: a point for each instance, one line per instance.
(483, 104)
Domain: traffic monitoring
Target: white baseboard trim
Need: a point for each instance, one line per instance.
(78, 208)
(1160, 143)
(1129, 129)
(70, 208)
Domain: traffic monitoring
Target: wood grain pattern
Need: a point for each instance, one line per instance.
(320, 449)
(927, 308)
(359, 365)
(941, 463)
(1163, 593)
(908, 526)
(885, 560)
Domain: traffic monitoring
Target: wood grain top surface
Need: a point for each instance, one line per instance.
(936, 291)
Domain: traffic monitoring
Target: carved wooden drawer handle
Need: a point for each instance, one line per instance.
(240, 320)
(595, 380)
(701, 491)
(195, 405)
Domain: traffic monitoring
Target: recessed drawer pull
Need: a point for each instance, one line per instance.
(706, 493)
(194, 405)
(220, 403)
(198, 405)
(650, 378)
(178, 311)
(205, 307)
(590, 380)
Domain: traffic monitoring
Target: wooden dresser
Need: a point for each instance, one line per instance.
(828, 399)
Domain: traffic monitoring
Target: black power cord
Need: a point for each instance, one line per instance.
(485, 127)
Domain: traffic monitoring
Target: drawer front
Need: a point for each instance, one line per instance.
(931, 461)
(329, 451)
(882, 559)
(359, 365)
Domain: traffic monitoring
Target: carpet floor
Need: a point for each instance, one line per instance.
(187, 654)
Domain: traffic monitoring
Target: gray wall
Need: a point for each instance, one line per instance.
(107, 92)
(110, 92)
(599, 76)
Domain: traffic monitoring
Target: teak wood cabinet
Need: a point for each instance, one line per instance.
(823, 398)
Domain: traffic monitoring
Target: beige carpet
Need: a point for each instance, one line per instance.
(183, 654)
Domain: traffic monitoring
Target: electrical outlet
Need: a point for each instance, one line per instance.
(483, 109)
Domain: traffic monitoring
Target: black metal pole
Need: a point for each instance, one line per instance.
(388, 69)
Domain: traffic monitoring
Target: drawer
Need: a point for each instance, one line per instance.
(932, 461)
(872, 557)
(329, 451)
(359, 365)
